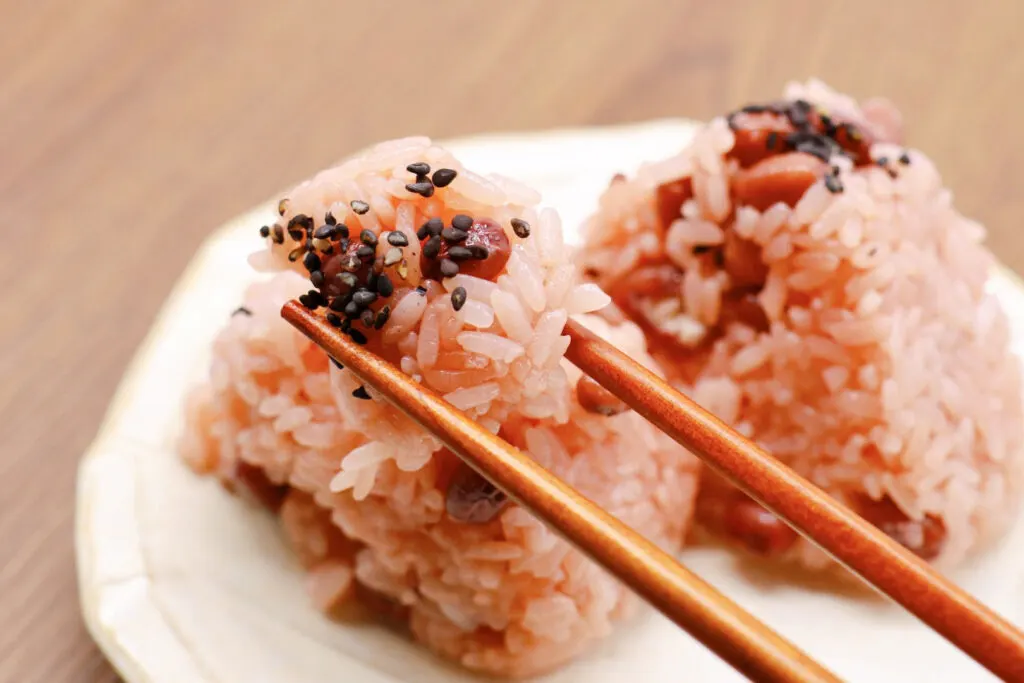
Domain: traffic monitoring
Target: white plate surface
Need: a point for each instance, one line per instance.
(181, 582)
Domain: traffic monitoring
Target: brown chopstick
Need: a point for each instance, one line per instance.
(710, 617)
(971, 626)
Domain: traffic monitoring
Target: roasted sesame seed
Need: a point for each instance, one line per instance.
(365, 251)
(479, 251)
(357, 336)
(322, 245)
(364, 297)
(311, 261)
(384, 286)
(419, 168)
(368, 237)
(398, 239)
(241, 310)
(443, 177)
(392, 256)
(359, 207)
(333, 319)
(462, 222)
(265, 231)
(336, 363)
(458, 298)
(424, 189)
(278, 234)
(892, 173)
(282, 207)
(352, 309)
(454, 235)
(325, 232)
(833, 184)
(459, 254)
(521, 228)
(361, 393)
(432, 247)
(403, 269)
(905, 159)
(449, 268)
(382, 317)
(295, 253)
(348, 279)
(366, 317)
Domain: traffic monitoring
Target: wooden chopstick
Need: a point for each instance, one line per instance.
(710, 617)
(971, 626)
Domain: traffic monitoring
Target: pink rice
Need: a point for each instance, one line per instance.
(885, 370)
(364, 494)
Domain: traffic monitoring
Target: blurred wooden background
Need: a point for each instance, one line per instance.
(150, 123)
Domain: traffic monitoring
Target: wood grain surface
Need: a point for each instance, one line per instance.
(151, 123)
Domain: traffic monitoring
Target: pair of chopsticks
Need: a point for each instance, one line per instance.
(736, 636)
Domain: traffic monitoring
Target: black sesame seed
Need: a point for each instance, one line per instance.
(316, 297)
(773, 138)
(333, 319)
(367, 318)
(382, 317)
(384, 286)
(296, 234)
(357, 336)
(346, 325)
(364, 297)
(459, 254)
(882, 161)
(424, 189)
(307, 302)
(359, 207)
(393, 256)
(462, 222)
(325, 232)
(421, 290)
(458, 298)
(443, 177)
(422, 233)
(521, 228)
(241, 310)
(336, 363)
(434, 226)
(479, 251)
(352, 309)
(454, 235)
(833, 184)
(449, 268)
(341, 231)
(365, 251)
(311, 261)
(338, 304)
(348, 279)
(398, 239)
(905, 159)
(701, 249)
(432, 247)
(367, 237)
(419, 168)
(371, 282)
(361, 393)
(329, 218)
(278, 234)
(265, 231)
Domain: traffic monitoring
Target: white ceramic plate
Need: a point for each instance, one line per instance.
(181, 582)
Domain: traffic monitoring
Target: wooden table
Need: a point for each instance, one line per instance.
(152, 123)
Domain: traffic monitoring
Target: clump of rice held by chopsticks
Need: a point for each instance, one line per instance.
(806, 277)
(462, 282)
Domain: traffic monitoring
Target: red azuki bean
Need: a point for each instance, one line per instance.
(782, 178)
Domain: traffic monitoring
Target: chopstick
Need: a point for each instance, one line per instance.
(892, 569)
(734, 635)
